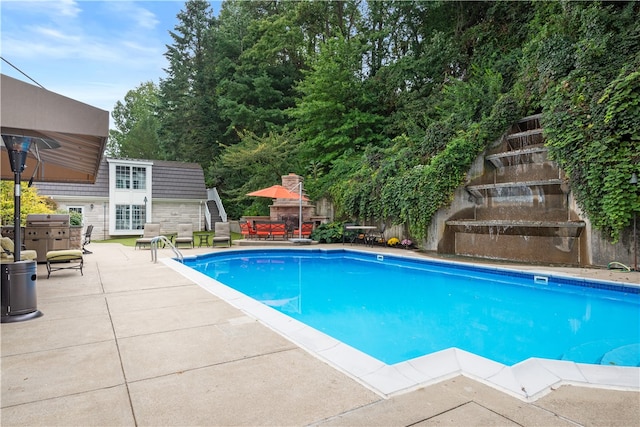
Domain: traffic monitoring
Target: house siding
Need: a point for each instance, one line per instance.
(178, 196)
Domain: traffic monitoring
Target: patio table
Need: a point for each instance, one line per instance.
(203, 239)
(366, 231)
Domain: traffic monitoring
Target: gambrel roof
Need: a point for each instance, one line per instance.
(177, 180)
(170, 180)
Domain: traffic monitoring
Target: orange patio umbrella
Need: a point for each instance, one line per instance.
(277, 192)
(280, 192)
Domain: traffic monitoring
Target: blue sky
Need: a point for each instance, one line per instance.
(91, 51)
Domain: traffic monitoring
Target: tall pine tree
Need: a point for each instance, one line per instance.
(188, 106)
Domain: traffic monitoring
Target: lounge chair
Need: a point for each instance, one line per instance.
(222, 233)
(87, 239)
(8, 249)
(185, 235)
(151, 230)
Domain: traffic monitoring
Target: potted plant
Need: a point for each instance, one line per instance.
(393, 242)
(406, 243)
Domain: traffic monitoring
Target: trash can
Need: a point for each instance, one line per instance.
(19, 300)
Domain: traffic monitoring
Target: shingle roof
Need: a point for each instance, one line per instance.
(177, 180)
(171, 180)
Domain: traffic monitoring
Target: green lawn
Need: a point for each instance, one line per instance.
(131, 240)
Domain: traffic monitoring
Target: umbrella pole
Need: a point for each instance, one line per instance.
(300, 216)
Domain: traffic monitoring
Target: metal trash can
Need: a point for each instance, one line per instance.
(19, 300)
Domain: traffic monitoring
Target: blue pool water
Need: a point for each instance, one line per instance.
(396, 308)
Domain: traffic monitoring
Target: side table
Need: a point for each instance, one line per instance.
(203, 238)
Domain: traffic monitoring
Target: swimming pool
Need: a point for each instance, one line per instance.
(396, 309)
(524, 380)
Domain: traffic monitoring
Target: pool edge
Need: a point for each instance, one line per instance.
(528, 380)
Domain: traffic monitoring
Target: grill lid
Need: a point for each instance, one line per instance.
(47, 220)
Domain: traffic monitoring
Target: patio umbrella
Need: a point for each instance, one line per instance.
(68, 137)
(277, 192)
(280, 192)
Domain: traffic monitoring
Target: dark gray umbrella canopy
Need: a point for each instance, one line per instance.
(69, 136)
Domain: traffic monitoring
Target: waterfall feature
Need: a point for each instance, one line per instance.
(521, 205)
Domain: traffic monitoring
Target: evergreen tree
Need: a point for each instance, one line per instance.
(406, 93)
(261, 65)
(190, 125)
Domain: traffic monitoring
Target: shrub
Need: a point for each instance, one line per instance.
(75, 218)
(328, 233)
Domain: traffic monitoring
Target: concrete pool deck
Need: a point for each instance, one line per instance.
(136, 343)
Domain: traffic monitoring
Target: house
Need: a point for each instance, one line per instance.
(128, 193)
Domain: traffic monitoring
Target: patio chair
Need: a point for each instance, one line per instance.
(151, 230)
(348, 235)
(222, 233)
(263, 230)
(377, 237)
(87, 239)
(360, 238)
(307, 229)
(185, 235)
(278, 229)
(8, 249)
(247, 230)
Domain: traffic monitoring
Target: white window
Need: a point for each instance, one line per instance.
(130, 193)
(130, 217)
(79, 209)
(123, 177)
(139, 178)
(123, 217)
(131, 177)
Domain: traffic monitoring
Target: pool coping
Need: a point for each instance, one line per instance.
(528, 380)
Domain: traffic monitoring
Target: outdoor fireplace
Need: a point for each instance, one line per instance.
(288, 210)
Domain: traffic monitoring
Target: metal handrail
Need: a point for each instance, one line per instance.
(163, 239)
(212, 194)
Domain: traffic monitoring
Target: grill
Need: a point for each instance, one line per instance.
(45, 233)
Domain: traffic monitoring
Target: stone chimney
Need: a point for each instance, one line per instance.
(288, 209)
(291, 181)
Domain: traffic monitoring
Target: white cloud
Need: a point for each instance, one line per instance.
(58, 36)
(66, 8)
(141, 17)
(52, 8)
(91, 51)
(146, 19)
(53, 45)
